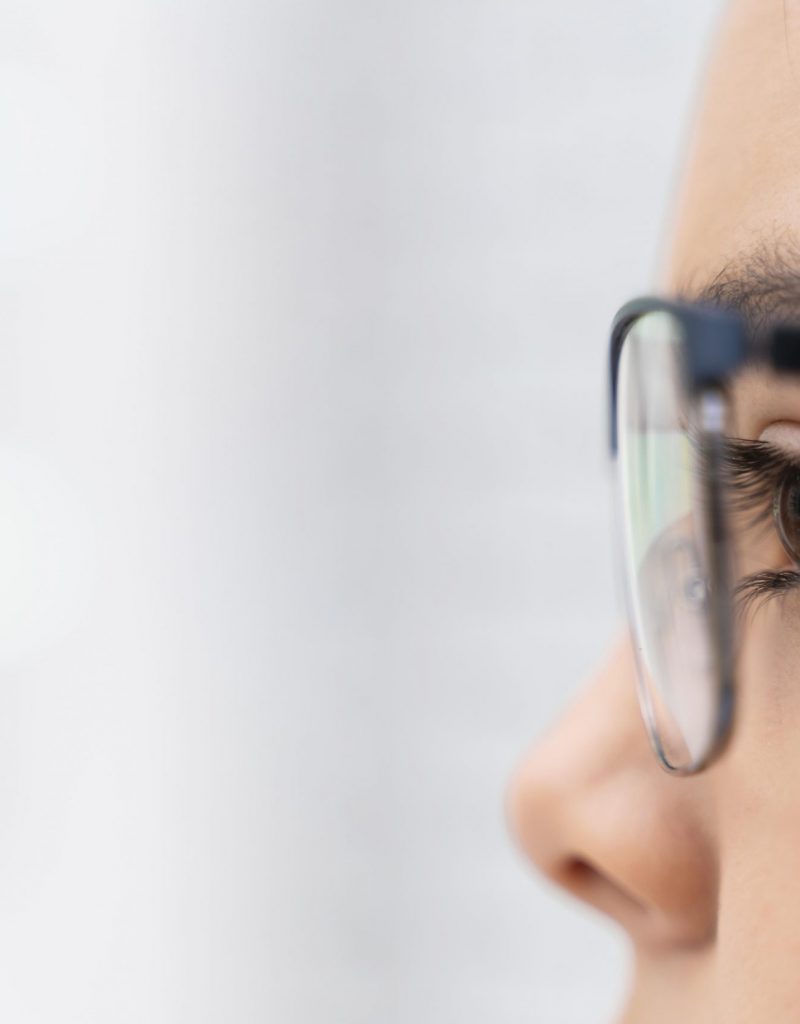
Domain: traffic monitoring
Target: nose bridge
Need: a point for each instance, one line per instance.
(597, 815)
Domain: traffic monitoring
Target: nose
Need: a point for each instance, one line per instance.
(597, 815)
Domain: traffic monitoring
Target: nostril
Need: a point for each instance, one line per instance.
(578, 870)
(578, 875)
(589, 883)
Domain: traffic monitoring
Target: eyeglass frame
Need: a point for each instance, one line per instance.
(717, 343)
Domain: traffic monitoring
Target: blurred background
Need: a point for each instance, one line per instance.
(303, 491)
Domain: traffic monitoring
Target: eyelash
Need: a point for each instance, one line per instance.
(755, 471)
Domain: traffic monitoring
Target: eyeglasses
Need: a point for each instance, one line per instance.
(677, 466)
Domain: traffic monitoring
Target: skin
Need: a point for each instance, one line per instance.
(702, 872)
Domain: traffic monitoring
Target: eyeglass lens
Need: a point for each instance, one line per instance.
(665, 543)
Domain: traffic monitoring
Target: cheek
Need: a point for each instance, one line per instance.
(768, 695)
(758, 940)
(757, 790)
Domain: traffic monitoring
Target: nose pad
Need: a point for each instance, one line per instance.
(597, 815)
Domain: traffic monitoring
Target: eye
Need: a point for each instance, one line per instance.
(786, 513)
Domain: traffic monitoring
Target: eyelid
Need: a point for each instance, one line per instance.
(783, 435)
(753, 470)
(745, 462)
(742, 455)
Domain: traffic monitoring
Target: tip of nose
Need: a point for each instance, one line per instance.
(531, 805)
(591, 810)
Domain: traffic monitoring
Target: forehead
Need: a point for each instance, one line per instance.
(737, 214)
(741, 183)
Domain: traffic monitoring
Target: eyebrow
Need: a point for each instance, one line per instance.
(761, 284)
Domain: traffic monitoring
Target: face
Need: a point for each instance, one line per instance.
(704, 871)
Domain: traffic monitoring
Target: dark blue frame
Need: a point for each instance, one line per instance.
(717, 345)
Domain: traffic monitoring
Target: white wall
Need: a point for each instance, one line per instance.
(302, 491)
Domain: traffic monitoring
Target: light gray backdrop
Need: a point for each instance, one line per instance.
(302, 491)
